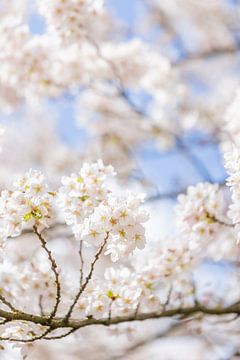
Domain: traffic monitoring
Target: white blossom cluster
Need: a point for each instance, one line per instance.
(44, 68)
(84, 191)
(232, 161)
(96, 214)
(28, 204)
(71, 20)
(25, 283)
(143, 288)
(199, 214)
(93, 211)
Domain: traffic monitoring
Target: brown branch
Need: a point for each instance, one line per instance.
(7, 303)
(186, 311)
(110, 310)
(81, 261)
(87, 279)
(137, 309)
(207, 54)
(35, 338)
(54, 269)
(58, 323)
(168, 298)
(57, 337)
(40, 304)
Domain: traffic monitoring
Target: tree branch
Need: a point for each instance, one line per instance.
(54, 269)
(206, 55)
(7, 303)
(88, 278)
(74, 324)
(81, 261)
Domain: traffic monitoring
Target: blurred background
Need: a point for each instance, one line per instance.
(201, 41)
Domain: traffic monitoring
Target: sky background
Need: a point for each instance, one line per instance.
(178, 171)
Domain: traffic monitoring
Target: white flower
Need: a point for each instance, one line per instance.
(92, 234)
(199, 213)
(97, 215)
(30, 204)
(70, 20)
(232, 164)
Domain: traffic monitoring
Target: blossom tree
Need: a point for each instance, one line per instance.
(77, 262)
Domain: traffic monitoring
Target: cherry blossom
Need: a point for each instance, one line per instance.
(83, 94)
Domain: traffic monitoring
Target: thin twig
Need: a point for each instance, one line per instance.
(35, 338)
(54, 269)
(88, 278)
(206, 55)
(57, 337)
(7, 303)
(40, 304)
(110, 310)
(81, 261)
(168, 299)
(137, 309)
